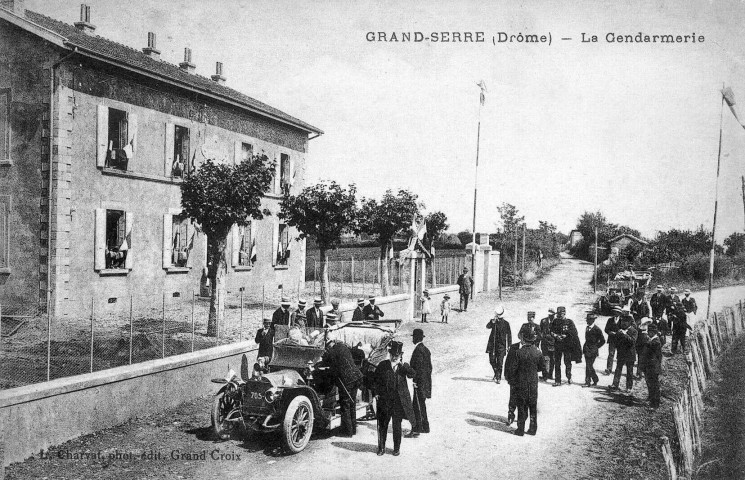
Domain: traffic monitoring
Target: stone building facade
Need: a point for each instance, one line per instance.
(96, 138)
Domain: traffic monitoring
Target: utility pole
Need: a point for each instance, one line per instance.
(514, 263)
(743, 192)
(595, 276)
(522, 277)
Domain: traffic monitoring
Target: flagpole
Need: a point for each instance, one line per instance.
(716, 207)
(475, 190)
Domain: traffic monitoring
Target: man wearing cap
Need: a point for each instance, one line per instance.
(335, 310)
(593, 341)
(566, 346)
(658, 302)
(524, 371)
(547, 345)
(611, 328)
(359, 313)
(465, 287)
(421, 362)
(330, 319)
(338, 359)
(626, 348)
(315, 315)
(372, 311)
(392, 396)
(281, 316)
(653, 365)
(500, 338)
(265, 339)
(509, 369)
(677, 316)
(642, 339)
(530, 326)
(689, 303)
(299, 312)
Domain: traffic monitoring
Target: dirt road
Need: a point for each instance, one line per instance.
(467, 413)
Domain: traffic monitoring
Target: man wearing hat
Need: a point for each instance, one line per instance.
(509, 368)
(642, 339)
(392, 396)
(566, 346)
(658, 302)
(524, 371)
(500, 338)
(673, 296)
(315, 315)
(653, 364)
(335, 310)
(611, 328)
(265, 339)
(677, 316)
(547, 345)
(640, 307)
(372, 311)
(338, 359)
(330, 319)
(593, 341)
(281, 316)
(299, 313)
(359, 313)
(465, 287)
(689, 303)
(625, 339)
(421, 362)
(531, 326)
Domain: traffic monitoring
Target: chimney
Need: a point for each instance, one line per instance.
(15, 6)
(150, 50)
(218, 76)
(186, 65)
(85, 25)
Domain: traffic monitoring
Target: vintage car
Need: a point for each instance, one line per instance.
(617, 294)
(640, 278)
(289, 395)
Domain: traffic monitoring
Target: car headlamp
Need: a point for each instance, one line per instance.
(271, 395)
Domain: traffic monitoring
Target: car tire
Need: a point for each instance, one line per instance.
(297, 426)
(221, 406)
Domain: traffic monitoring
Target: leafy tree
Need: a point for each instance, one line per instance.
(511, 221)
(735, 243)
(465, 237)
(216, 197)
(385, 219)
(586, 225)
(437, 224)
(326, 211)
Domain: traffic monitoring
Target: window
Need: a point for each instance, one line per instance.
(117, 131)
(4, 125)
(244, 246)
(113, 240)
(180, 241)
(181, 164)
(4, 232)
(245, 153)
(283, 245)
(284, 174)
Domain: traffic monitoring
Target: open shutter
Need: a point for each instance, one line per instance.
(99, 241)
(275, 240)
(292, 171)
(253, 255)
(168, 158)
(129, 221)
(277, 173)
(235, 235)
(132, 138)
(190, 235)
(102, 135)
(167, 242)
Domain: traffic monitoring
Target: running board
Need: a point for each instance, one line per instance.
(361, 411)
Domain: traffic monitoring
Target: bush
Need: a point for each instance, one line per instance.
(449, 241)
(695, 266)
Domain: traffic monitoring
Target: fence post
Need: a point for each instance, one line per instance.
(499, 280)
(341, 283)
(364, 275)
(163, 347)
(131, 328)
(93, 316)
(49, 334)
(1, 329)
(240, 332)
(315, 276)
(193, 301)
(352, 274)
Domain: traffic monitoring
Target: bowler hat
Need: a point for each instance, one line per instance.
(446, 297)
(396, 348)
(592, 316)
(418, 333)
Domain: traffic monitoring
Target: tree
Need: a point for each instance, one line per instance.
(326, 211)
(216, 197)
(735, 243)
(437, 224)
(511, 221)
(385, 219)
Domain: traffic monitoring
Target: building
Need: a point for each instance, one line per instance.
(621, 242)
(95, 138)
(575, 236)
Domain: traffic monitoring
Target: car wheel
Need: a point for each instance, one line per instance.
(297, 426)
(222, 405)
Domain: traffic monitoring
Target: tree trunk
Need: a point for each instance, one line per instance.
(216, 270)
(325, 295)
(384, 277)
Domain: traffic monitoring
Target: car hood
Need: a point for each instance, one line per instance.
(284, 378)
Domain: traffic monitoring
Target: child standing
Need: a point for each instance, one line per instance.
(445, 308)
(426, 307)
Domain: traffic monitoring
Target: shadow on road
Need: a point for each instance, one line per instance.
(356, 447)
(474, 379)
(611, 396)
(496, 422)
(251, 442)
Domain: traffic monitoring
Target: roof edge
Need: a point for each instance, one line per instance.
(31, 27)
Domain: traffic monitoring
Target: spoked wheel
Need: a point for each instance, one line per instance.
(222, 406)
(297, 426)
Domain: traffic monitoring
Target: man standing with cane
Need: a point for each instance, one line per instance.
(465, 286)
(421, 362)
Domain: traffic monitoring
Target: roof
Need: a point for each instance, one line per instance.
(121, 55)
(617, 237)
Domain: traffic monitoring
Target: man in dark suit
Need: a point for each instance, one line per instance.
(392, 396)
(372, 311)
(509, 366)
(281, 316)
(626, 348)
(421, 362)
(465, 287)
(640, 307)
(652, 354)
(611, 327)
(593, 341)
(359, 313)
(567, 345)
(524, 370)
(500, 338)
(677, 315)
(547, 345)
(338, 359)
(658, 302)
(265, 339)
(315, 315)
(689, 303)
(299, 313)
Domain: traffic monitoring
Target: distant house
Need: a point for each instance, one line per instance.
(575, 236)
(621, 242)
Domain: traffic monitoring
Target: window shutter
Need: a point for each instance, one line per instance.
(168, 159)
(102, 135)
(254, 245)
(275, 240)
(292, 171)
(167, 244)
(277, 173)
(99, 241)
(238, 152)
(129, 221)
(235, 232)
(190, 234)
(132, 137)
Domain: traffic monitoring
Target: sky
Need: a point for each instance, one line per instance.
(629, 129)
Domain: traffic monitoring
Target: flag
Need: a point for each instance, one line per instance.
(482, 86)
(729, 97)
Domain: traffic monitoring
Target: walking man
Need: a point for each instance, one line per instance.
(679, 320)
(500, 337)
(392, 396)
(529, 326)
(626, 348)
(689, 305)
(593, 341)
(547, 345)
(465, 287)
(421, 362)
(658, 302)
(525, 370)
(566, 345)
(653, 365)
